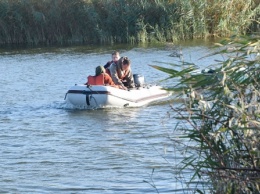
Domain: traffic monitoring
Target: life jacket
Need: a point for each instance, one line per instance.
(96, 80)
(102, 79)
(122, 74)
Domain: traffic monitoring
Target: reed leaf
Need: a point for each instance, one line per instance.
(221, 118)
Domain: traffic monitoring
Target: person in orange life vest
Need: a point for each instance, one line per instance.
(102, 80)
(101, 77)
(115, 58)
(121, 73)
(107, 79)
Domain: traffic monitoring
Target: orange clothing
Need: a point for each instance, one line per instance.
(102, 79)
(108, 80)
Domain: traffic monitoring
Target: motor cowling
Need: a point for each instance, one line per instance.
(139, 80)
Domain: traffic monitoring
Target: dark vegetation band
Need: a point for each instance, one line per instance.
(123, 21)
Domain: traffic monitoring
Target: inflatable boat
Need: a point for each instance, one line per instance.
(100, 96)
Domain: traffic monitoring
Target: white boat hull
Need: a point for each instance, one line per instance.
(83, 96)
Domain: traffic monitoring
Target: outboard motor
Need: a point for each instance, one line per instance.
(139, 80)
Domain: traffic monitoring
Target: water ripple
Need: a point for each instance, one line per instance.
(47, 146)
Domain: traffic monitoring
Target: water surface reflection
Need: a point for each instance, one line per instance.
(47, 147)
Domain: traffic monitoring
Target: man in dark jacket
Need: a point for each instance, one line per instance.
(115, 58)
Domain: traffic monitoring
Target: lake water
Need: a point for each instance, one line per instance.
(48, 147)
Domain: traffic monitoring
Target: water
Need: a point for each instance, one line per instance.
(48, 147)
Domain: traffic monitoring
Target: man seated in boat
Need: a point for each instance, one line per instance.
(101, 78)
(121, 73)
(115, 58)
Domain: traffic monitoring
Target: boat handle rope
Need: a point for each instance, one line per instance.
(65, 96)
(88, 99)
(90, 96)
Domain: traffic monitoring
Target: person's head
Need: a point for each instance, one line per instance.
(115, 56)
(100, 70)
(126, 63)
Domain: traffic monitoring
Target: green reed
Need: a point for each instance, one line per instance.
(123, 21)
(220, 115)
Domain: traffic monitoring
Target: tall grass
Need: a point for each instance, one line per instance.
(221, 116)
(123, 21)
